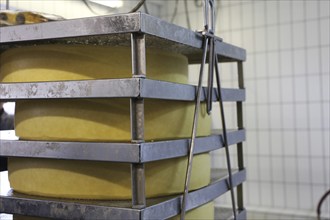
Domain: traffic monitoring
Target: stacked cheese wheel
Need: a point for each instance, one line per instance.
(106, 120)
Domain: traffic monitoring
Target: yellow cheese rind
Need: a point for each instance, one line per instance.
(64, 62)
(97, 120)
(102, 180)
(104, 120)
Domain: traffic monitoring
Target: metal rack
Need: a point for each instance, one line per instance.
(139, 31)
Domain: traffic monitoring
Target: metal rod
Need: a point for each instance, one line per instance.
(206, 12)
(194, 131)
(137, 120)
(210, 77)
(224, 129)
(138, 55)
(239, 107)
(7, 4)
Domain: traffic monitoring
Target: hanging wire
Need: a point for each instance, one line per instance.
(86, 2)
(319, 205)
(137, 6)
(175, 11)
(145, 7)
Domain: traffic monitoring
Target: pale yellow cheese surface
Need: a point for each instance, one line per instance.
(97, 120)
(102, 180)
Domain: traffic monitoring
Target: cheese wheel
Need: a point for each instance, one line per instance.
(97, 120)
(102, 180)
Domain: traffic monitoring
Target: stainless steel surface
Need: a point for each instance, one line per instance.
(210, 77)
(138, 48)
(90, 209)
(110, 88)
(240, 125)
(193, 133)
(115, 30)
(72, 28)
(209, 27)
(152, 151)
(138, 185)
(224, 128)
(139, 31)
(115, 152)
(175, 91)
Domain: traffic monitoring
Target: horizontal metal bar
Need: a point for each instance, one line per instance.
(58, 209)
(175, 91)
(109, 88)
(114, 30)
(196, 198)
(115, 152)
(13, 203)
(151, 151)
(162, 29)
(100, 25)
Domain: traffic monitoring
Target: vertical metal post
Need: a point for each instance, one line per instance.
(239, 107)
(193, 133)
(137, 120)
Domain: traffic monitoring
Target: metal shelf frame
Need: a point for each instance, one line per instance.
(117, 30)
(111, 88)
(115, 152)
(139, 31)
(161, 208)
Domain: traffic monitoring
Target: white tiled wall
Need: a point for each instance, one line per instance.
(287, 152)
(287, 107)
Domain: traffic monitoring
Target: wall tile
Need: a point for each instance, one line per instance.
(304, 169)
(324, 32)
(284, 11)
(292, 196)
(303, 145)
(290, 169)
(279, 195)
(305, 201)
(312, 9)
(289, 143)
(317, 167)
(324, 8)
(298, 10)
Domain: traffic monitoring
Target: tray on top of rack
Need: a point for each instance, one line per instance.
(162, 208)
(116, 30)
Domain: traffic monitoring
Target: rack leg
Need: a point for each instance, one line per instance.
(240, 125)
(137, 120)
